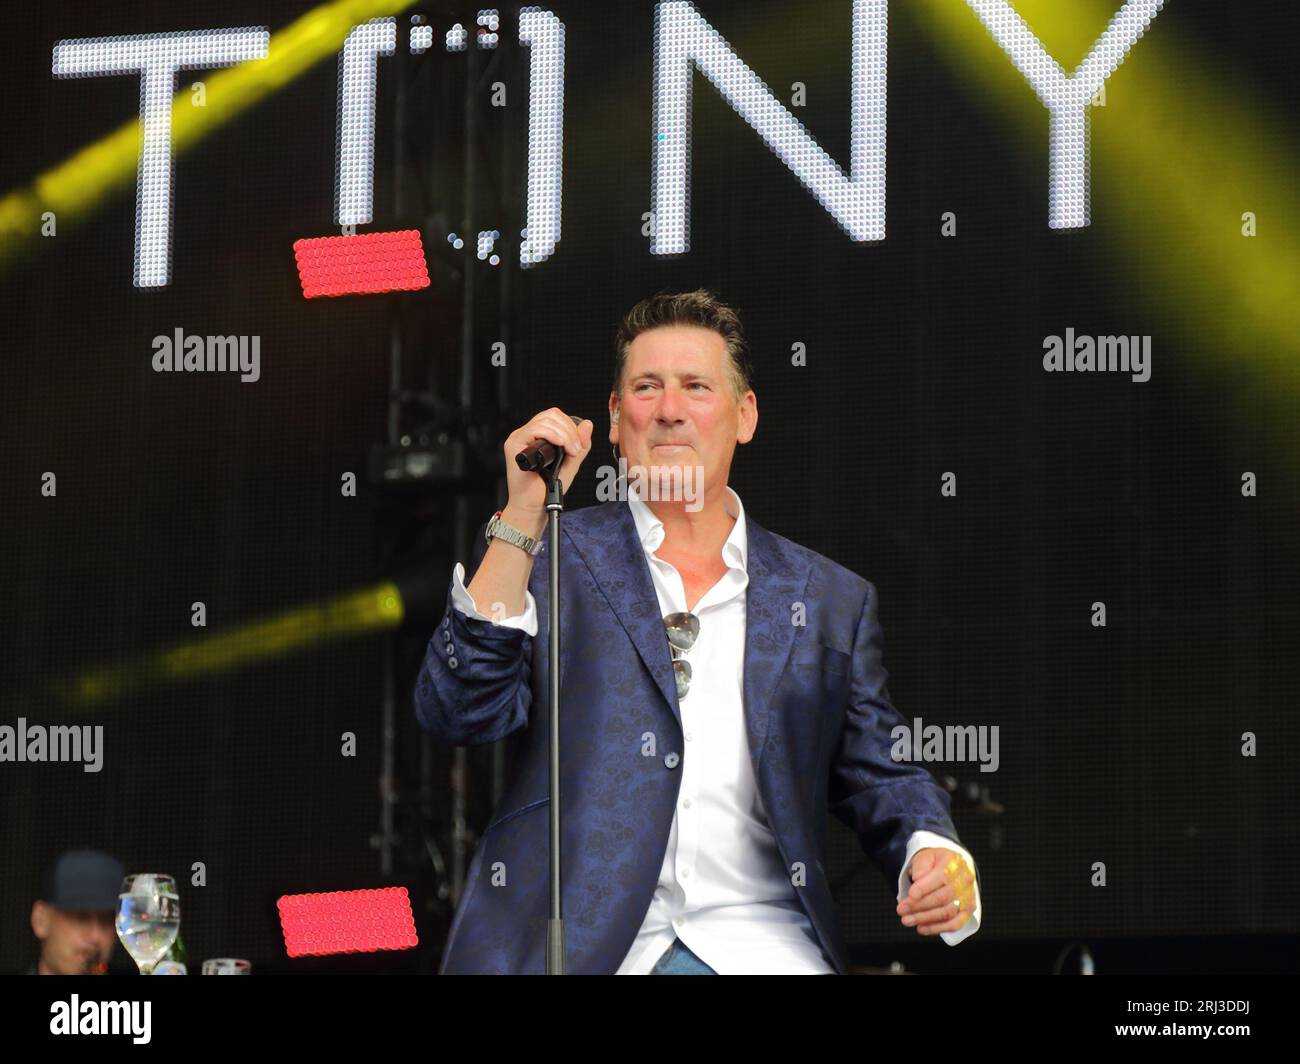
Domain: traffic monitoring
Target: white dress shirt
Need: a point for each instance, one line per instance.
(723, 888)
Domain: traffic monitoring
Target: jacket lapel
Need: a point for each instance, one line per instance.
(610, 546)
(778, 578)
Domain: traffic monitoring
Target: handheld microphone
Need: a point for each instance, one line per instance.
(541, 454)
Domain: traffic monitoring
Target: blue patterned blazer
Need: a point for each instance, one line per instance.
(818, 718)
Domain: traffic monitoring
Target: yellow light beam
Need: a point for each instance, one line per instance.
(81, 183)
(378, 608)
(1182, 149)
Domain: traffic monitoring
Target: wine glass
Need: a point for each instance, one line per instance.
(226, 966)
(148, 917)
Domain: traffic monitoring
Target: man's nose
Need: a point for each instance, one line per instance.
(670, 406)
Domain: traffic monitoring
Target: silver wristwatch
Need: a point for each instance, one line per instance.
(499, 529)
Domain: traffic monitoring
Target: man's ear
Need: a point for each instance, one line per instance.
(748, 417)
(40, 920)
(613, 418)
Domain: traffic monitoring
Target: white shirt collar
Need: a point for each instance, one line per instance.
(735, 551)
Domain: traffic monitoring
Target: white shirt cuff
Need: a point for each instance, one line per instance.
(462, 601)
(922, 840)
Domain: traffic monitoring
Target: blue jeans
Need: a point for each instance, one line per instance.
(679, 960)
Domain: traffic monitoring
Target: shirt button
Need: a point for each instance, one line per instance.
(678, 920)
(686, 873)
(686, 804)
(688, 737)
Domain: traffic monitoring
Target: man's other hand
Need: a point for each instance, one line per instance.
(939, 878)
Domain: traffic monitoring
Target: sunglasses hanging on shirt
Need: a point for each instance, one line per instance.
(682, 630)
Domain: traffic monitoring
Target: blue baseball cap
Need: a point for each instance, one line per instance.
(83, 881)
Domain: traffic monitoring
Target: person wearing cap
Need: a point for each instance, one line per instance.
(73, 917)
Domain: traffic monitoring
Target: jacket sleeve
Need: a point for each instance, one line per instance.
(883, 800)
(474, 684)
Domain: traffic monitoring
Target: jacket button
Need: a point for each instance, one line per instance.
(452, 662)
(671, 760)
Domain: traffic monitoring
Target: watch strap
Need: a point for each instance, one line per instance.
(498, 529)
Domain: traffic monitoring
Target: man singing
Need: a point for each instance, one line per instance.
(722, 692)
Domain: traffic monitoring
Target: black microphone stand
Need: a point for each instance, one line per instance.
(535, 458)
(554, 507)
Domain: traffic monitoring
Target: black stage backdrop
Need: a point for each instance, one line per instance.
(1120, 744)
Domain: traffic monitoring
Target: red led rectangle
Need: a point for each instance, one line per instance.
(360, 265)
(347, 921)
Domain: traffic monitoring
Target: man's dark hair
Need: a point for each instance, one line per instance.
(701, 308)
